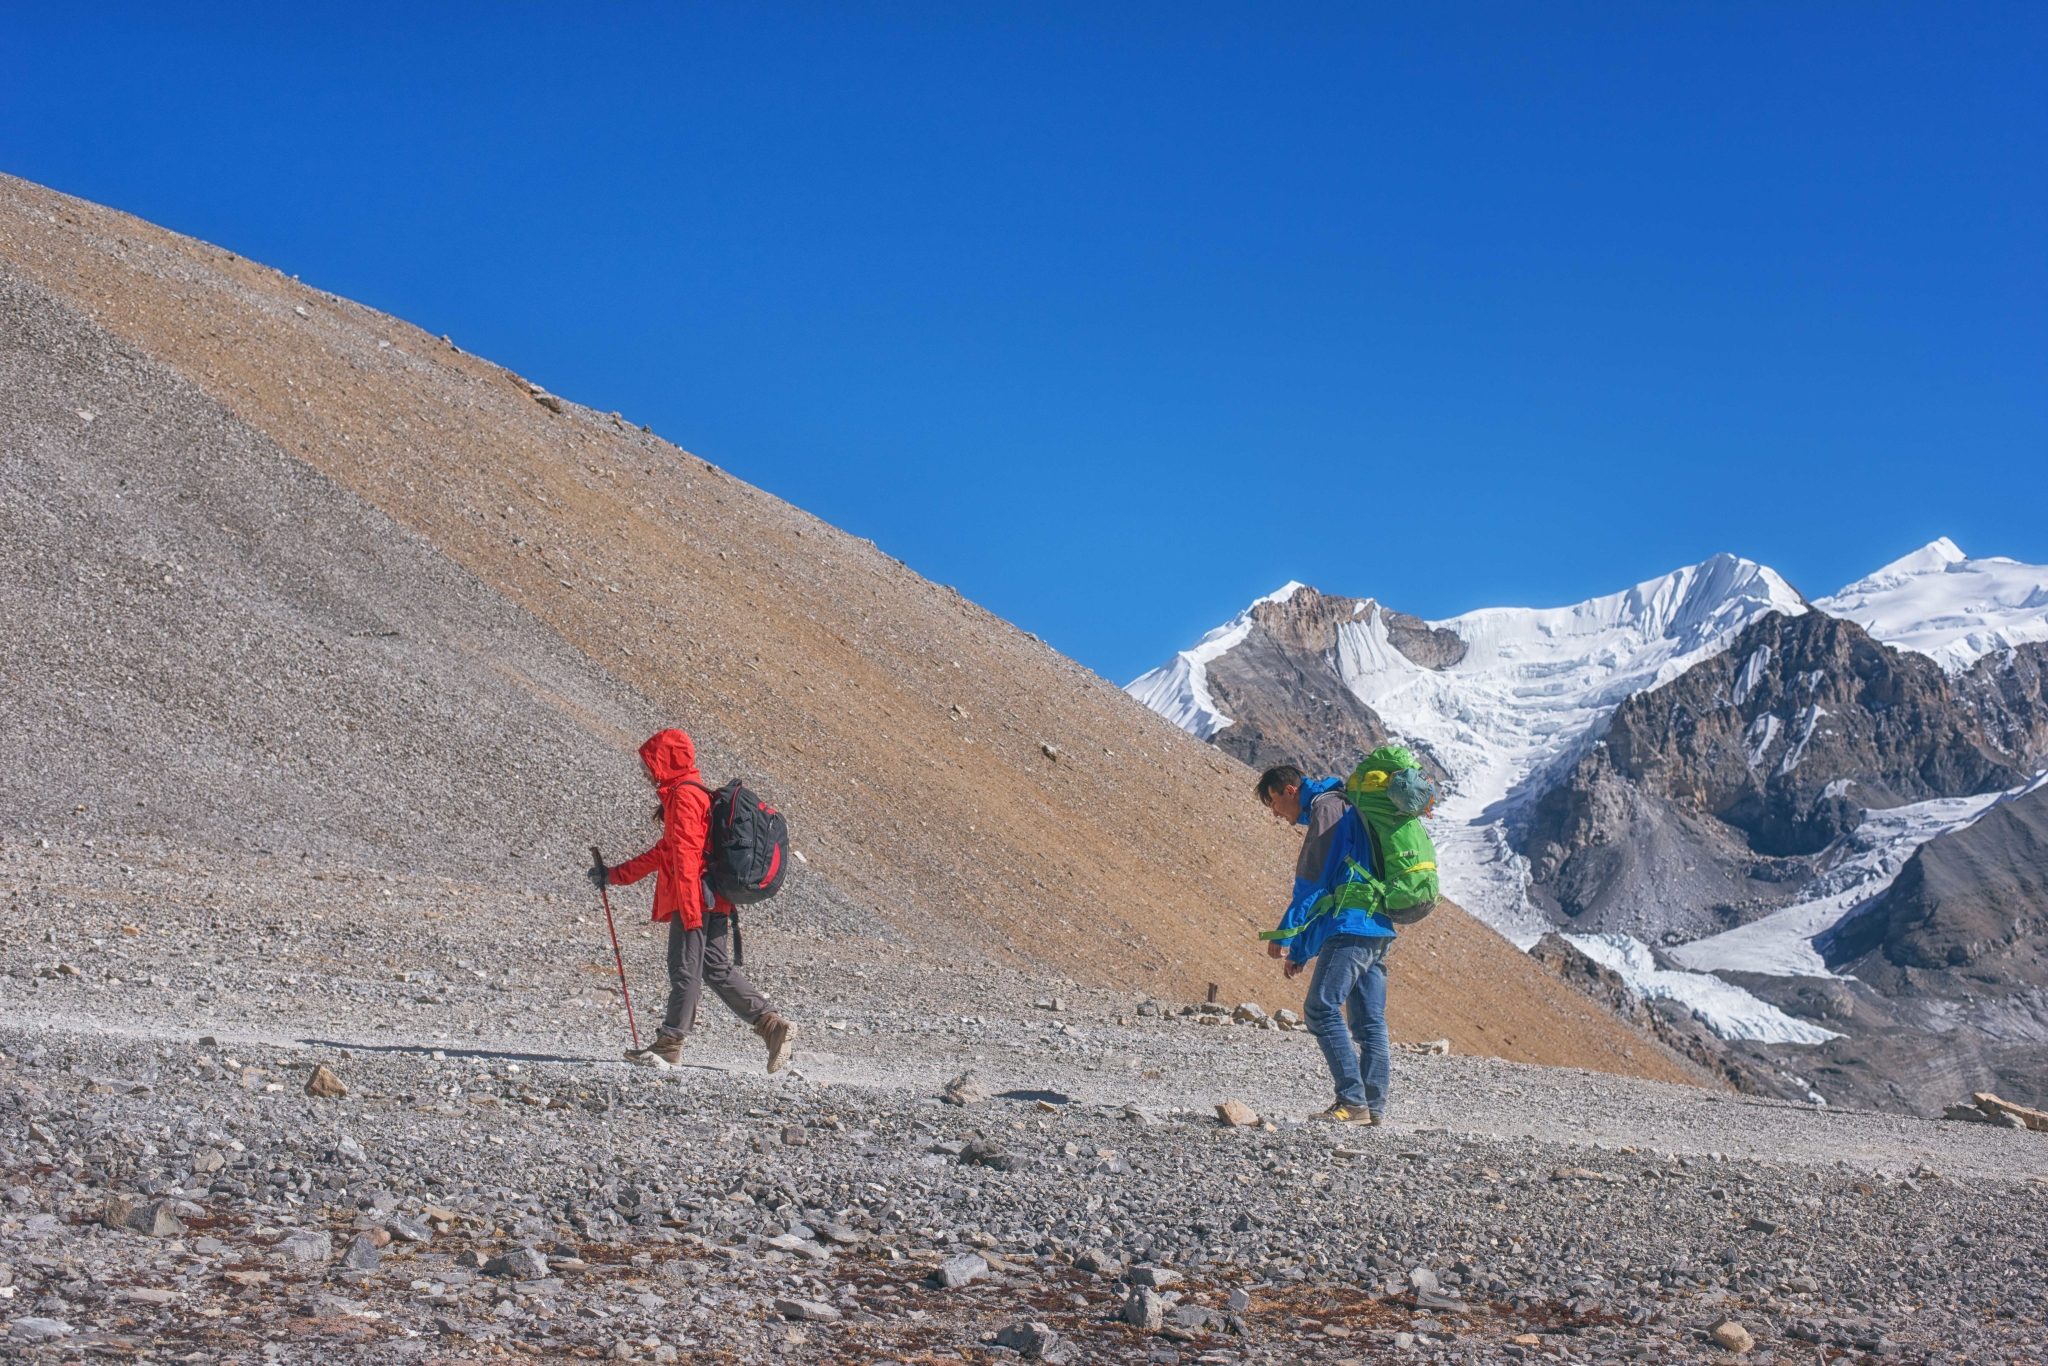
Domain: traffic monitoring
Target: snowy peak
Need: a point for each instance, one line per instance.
(1179, 689)
(1940, 603)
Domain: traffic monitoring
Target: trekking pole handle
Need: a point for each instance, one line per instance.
(618, 959)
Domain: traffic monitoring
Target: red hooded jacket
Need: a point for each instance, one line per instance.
(677, 862)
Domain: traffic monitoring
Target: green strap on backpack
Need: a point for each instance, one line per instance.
(1392, 795)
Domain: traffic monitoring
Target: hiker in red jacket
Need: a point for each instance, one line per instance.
(700, 936)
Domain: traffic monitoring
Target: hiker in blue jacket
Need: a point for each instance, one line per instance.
(1347, 944)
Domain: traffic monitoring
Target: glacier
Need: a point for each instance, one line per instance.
(1723, 1007)
(1535, 687)
(1940, 603)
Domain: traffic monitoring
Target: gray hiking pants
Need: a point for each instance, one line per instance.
(702, 958)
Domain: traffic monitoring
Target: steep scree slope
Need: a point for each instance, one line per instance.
(556, 574)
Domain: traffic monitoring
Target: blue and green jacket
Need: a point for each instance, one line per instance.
(1336, 850)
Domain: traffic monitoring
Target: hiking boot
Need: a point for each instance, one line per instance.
(1348, 1114)
(778, 1034)
(667, 1049)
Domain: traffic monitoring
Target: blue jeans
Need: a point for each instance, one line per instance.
(1351, 979)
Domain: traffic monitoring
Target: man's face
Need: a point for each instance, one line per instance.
(1285, 804)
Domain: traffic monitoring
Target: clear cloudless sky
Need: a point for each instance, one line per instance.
(1117, 316)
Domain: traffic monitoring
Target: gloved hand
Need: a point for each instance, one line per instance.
(600, 876)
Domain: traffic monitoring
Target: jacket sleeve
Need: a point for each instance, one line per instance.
(633, 869)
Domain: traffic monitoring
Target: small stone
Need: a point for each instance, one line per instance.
(154, 1217)
(410, 1229)
(38, 1330)
(308, 1246)
(1240, 1300)
(1097, 1262)
(1733, 1336)
(1425, 1280)
(325, 1085)
(1286, 1017)
(1033, 1342)
(807, 1311)
(149, 1295)
(1403, 1341)
(803, 1247)
(841, 1234)
(965, 1089)
(362, 1253)
(1144, 1310)
(521, 1263)
(1249, 1012)
(1235, 1113)
(1156, 1276)
(793, 1137)
(348, 1150)
(955, 1272)
(119, 1211)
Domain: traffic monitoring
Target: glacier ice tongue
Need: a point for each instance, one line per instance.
(1862, 868)
(1723, 1007)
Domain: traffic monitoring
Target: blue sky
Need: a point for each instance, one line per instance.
(1118, 316)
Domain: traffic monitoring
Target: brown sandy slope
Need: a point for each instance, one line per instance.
(904, 728)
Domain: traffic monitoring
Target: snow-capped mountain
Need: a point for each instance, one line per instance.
(1526, 693)
(1758, 799)
(1530, 693)
(1940, 603)
(1531, 688)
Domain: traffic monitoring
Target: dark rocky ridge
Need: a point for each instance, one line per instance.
(1668, 830)
(1971, 904)
(1281, 688)
(1704, 803)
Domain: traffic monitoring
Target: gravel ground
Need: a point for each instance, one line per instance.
(710, 1212)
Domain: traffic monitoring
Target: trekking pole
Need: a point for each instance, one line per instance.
(617, 957)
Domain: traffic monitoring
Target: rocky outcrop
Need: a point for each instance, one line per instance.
(1280, 687)
(1969, 910)
(1708, 795)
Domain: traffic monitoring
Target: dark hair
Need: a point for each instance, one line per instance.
(1278, 778)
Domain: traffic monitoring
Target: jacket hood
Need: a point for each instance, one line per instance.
(670, 757)
(1311, 789)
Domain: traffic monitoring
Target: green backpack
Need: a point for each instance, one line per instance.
(1391, 795)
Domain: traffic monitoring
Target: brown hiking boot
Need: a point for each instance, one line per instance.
(777, 1033)
(667, 1049)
